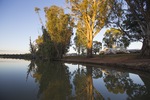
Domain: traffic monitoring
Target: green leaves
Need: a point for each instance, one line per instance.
(115, 37)
(36, 9)
(96, 46)
(92, 15)
(59, 25)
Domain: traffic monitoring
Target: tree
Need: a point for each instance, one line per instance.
(45, 45)
(92, 14)
(55, 40)
(96, 46)
(142, 7)
(79, 46)
(32, 49)
(37, 11)
(139, 12)
(80, 38)
(114, 37)
(59, 26)
(46, 49)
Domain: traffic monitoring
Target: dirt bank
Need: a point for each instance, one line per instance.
(130, 61)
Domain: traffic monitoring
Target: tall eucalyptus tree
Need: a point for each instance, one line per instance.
(92, 14)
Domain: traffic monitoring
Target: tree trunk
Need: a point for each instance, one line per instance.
(57, 50)
(89, 45)
(146, 83)
(60, 53)
(145, 51)
(89, 52)
(90, 95)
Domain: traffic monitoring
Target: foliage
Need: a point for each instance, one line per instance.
(134, 32)
(140, 10)
(59, 27)
(44, 44)
(132, 17)
(97, 46)
(93, 15)
(79, 47)
(46, 49)
(55, 40)
(80, 39)
(32, 49)
(36, 9)
(114, 37)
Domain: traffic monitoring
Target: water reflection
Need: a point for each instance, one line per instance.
(57, 82)
(53, 79)
(13, 84)
(31, 69)
(119, 82)
(83, 83)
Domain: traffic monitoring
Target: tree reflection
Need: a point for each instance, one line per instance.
(80, 83)
(84, 84)
(119, 82)
(54, 81)
(116, 82)
(31, 69)
(97, 73)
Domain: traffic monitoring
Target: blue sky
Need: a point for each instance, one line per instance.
(18, 21)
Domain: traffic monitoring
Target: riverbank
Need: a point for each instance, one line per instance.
(126, 61)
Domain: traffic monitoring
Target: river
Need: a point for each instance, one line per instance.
(38, 80)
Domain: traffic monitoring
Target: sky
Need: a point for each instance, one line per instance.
(19, 22)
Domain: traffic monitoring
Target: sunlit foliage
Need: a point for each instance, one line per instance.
(59, 26)
(55, 40)
(92, 14)
(80, 38)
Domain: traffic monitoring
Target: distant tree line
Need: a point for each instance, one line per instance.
(16, 56)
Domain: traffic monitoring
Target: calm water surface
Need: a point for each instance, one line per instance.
(29, 80)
